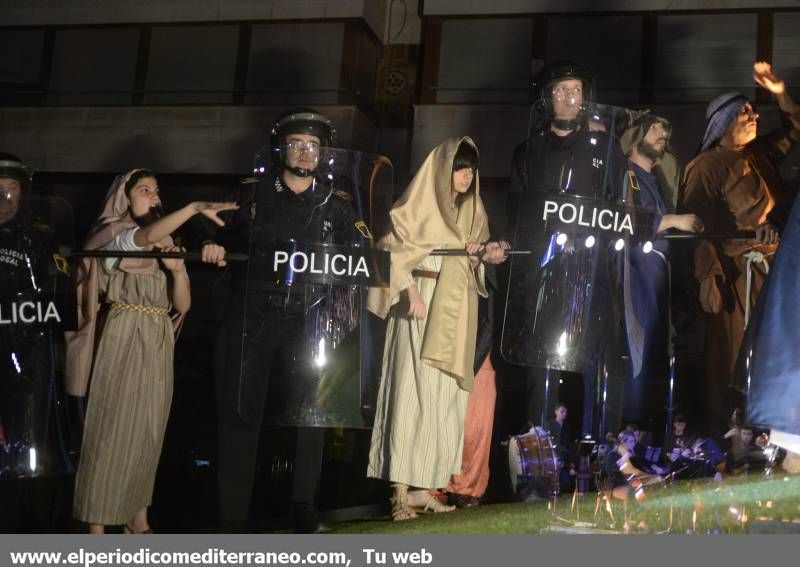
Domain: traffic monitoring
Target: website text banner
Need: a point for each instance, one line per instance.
(388, 550)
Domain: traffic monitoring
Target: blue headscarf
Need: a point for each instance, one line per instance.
(720, 113)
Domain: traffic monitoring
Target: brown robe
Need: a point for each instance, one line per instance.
(733, 191)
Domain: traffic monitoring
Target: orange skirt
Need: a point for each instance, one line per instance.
(478, 423)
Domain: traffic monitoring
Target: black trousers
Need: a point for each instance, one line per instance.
(262, 364)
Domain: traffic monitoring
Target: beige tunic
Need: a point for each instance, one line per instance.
(129, 401)
(418, 433)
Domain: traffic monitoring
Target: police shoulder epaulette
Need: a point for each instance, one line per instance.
(362, 227)
(633, 181)
(343, 195)
(42, 227)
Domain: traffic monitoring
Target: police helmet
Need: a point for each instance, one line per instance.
(299, 121)
(11, 167)
(562, 71)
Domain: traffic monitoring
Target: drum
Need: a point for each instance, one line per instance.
(533, 464)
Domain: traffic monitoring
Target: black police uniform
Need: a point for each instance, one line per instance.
(575, 164)
(272, 332)
(33, 437)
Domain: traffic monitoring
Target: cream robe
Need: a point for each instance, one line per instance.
(417, 437)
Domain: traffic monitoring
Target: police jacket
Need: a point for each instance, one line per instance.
(271, 215)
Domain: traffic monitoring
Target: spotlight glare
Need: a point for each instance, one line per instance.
(619, 244)
(647, 247)
(589, 241)
(561, 347)
(561, 240)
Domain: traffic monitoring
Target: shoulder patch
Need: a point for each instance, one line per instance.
(343, 195)
(362, 227)
(61, 263)
(632, 180)
(42, 227)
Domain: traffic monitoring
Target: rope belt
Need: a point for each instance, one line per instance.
(140, 308)
(753, 257)
(425, 274)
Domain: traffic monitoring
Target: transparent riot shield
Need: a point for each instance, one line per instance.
(37, 303)
(306, 343)
(575, 223)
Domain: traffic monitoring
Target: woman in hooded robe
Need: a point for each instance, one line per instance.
(144, 301)
(432, 308)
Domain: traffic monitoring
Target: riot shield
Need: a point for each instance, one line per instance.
(564, 308)
(37, 303)
(306, 346)
(576, 225)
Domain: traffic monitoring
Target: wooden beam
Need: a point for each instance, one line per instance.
(538, 50)
(764, 46)
(242, 63)
(649, 62)
(430, 54)
(350, 63)
(142, 60)
(46, 64)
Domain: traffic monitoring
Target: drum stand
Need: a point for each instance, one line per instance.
(582, 483)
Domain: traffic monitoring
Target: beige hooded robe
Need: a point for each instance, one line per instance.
(427, 373)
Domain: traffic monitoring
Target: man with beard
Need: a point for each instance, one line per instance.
(652, 180)
(733, 185)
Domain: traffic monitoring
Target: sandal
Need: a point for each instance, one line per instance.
(430, 505)
(127, 530)
(401, 511)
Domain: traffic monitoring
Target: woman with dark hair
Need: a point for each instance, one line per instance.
(144, 300)
(432, 305)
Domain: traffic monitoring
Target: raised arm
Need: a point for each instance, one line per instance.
(766, 78)
(163, 227)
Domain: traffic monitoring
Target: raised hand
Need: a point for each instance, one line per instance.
(763, 75)
(212, 210)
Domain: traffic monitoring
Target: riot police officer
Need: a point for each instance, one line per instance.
(264, 322)
(31, 273)
(568, 153)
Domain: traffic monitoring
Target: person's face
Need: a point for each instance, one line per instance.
(10, 192)
(302, 151)
(654, 143)
(144, 196)
(745, 125)
(561, 413)
(567, 98)
(679, 427)
(462, 179)
(747, 436)
(630, 442)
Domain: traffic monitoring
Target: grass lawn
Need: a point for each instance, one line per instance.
(703, 506)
